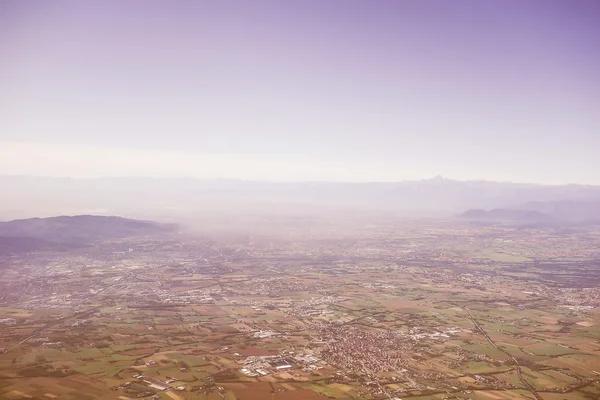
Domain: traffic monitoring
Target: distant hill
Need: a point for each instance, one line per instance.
(576, 211)
(561, 212)
(506, 215)
(15, 245)
(65, 232)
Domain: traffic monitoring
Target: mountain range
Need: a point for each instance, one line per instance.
(40, 196)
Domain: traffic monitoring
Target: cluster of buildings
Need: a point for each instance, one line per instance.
(274, 286)
(71, 300)
(417, 333)
(158, 384)
(352, 348)
(265, 365)
(185, 298)
(376, 286)
(308, 311)
(263, 334)
(583, 297)
(287, 360)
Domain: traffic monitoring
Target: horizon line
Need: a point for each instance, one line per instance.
(300, 181)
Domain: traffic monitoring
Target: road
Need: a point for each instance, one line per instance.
(519, 372)
(53, 323)
(76, 315)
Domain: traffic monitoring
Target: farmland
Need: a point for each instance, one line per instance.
(405, 309)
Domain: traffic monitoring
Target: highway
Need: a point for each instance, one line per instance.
(484, 333)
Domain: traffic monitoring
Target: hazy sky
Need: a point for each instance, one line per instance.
(302, 90)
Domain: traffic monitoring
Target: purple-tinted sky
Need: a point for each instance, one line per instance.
(302, 90)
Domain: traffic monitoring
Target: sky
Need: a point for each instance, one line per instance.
(339, 90)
